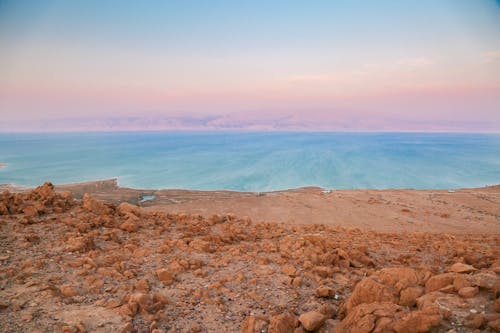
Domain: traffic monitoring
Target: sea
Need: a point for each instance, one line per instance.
(253, 161)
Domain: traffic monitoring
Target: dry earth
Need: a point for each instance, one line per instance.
(86, 265)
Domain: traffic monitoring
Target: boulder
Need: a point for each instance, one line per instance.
(369, 317)
(439, 281)
(368, 291)
(400, 277)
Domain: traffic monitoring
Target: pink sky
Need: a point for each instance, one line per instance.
(388, 72)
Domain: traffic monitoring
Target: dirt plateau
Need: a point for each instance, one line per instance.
(87, 265)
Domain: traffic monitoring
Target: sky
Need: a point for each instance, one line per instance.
(429, 65)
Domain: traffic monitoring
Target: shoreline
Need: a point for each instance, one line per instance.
(467, 210)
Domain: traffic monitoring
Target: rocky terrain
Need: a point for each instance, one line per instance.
(86, 265)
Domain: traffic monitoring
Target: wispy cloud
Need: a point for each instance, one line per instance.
(490, 57)
(418, 62)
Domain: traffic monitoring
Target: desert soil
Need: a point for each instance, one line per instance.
(287, 261)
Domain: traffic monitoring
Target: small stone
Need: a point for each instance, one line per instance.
(165, 276)
(196, 328)
(312, 320)
(68, 291)
(27, 317)
(283, 323)
(142, 285)
(297, 281)
(289, 270)
(323, 291)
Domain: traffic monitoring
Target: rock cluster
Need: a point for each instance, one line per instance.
(91, 266)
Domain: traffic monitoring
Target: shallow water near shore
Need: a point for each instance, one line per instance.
(251, 161)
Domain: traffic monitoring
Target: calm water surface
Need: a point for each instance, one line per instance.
(253, 161)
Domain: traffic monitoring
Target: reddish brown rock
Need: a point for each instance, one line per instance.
(80, 244)
(165, 276)
(138, 302)
(254, 324)
(283, 323)
(200, 245)
(496, 289)
(369, 317)
(129, 225)
(68, 291)
(328, 310)
(289, 270)
(495, 325)
(323, 291)
(461, 268)
(400, 277)
(468, 292)
(297, 281)
(369, 291)
(474, 320)
(460, 282)
(142, 285)
(3, 209)
(485, 280)
(408, 296)
(417, 322)
(30, 211)
(126, 208)
(439, 281)
(92, 205)
(312, 320)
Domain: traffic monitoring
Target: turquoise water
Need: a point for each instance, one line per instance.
(253, 161)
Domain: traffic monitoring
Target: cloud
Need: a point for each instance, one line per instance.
(490, 57)
(418, 62)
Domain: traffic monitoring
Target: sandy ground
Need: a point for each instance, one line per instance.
(341, 262)
(462, 211)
